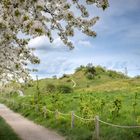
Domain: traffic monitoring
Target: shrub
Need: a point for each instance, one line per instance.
(90, 71)
(114, 74)
(64, 76)
(54, 77)
(89, 76)
(69, 80)
(100, 70)
(99, 77)
(64, 89)
(50, 88)
(30, 84)
(137, 77)
(88, 86)
(90, 68)
(80, 68)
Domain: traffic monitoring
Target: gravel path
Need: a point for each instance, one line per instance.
(26, 129)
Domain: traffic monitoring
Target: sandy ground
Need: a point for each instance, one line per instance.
(26, 129)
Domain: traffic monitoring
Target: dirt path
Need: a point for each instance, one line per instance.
(26, 129)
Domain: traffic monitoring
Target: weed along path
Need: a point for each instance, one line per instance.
(26, 129)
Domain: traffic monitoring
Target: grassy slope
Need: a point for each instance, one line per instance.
(102, 84)
(6, 133)
(92, 92)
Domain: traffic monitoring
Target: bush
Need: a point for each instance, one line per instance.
(50, 88)
(69, 80)
(137, 77)
(89, 76)
(54, 77)
(99, 77)
(100, 70)
(80, 68)
(114, 74)
(64, 89)
(90, 69)
(64, 76)
(30, 84)
(88, 86)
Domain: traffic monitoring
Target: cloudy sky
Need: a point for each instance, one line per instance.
(116, 46)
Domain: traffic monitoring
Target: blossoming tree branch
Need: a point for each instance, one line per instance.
(37, 18)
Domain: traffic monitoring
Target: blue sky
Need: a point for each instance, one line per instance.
(116, 46)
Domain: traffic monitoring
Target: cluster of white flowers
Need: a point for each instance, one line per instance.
(35, 18)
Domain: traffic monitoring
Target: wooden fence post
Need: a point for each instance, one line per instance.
(97, 127)
(72, 119)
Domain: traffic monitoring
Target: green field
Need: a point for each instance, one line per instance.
(6, 133)
(114, 97)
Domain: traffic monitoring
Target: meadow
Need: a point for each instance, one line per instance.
(114, 97)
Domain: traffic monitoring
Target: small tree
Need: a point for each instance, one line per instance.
(51, 88)
(54, 77)
(64, 89)
(80, 68)
(90, 71)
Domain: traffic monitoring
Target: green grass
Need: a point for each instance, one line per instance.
(114, 97)
(84, 131)
(6, 133)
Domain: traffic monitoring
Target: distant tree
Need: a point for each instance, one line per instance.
(54, 77)
(115, 74)
(79, 68)
(100, 70)
(137, 77)
(90, 71)
(89, 76)
(64, 76)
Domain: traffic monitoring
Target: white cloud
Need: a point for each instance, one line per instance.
(57, 66)
(85, 43)
(42, 43)
(56, 59)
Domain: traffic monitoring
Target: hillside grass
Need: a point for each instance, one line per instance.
(112, 96)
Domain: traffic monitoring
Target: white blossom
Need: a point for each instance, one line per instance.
(35, 18)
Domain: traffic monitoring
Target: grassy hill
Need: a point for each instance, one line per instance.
(114, 97)
(103, 80)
